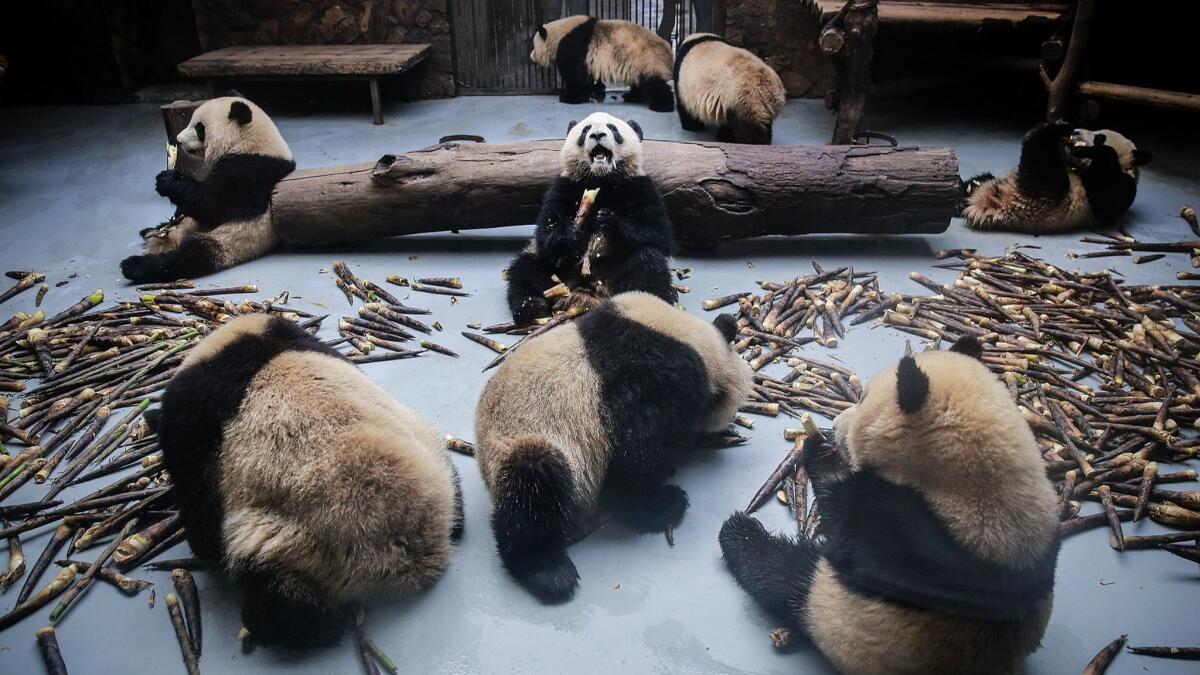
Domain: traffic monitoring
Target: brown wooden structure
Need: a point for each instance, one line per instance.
(354, 62)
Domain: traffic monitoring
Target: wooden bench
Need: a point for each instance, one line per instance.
(357, 62)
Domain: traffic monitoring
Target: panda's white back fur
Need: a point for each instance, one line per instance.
(716, 78)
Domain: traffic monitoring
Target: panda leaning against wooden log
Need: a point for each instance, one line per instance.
(223, 218)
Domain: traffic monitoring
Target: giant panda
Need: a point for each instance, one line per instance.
(938, 536)
(226, 216)
(600, 406)
(1066, 179)
(303, 480)
(590, 52)
(717, 83)
(628, 218)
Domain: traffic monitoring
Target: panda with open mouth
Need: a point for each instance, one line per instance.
(603, 228)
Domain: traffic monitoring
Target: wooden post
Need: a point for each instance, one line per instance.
(855, 48)
(376, 104)
(713, 191)
(176, 116)
(1062, 86)
(667, 25)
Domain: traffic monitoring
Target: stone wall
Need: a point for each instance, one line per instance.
(784, 34)
(223, 23)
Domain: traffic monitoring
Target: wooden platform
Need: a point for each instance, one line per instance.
(368, 62)
(971, 13)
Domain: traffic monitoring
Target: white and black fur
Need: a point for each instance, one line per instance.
(717, 83)
(590, 52)
(602, 152)
(938, 536)
(223, 216)
(1067, 179)
(600, 407)
(303, 480)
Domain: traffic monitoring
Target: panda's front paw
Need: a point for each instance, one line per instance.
(164, 180)
(142, 269)
(530, 308)
(605, 220)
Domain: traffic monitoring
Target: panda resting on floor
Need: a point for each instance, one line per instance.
(938, 536)
(717, 83)
(603, 404)
(591, 52)
(1067, 179)
(625, 240)
(223, 217)
(303, 480)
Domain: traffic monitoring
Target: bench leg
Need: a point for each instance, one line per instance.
(376, 106)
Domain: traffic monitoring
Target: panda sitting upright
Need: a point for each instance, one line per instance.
(224, 216)
(1066, 179)
(624, 239)
(938, 532)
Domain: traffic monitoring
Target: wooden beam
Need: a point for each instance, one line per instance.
(1131, 94)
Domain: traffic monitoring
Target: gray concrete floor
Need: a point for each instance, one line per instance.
(76, 185)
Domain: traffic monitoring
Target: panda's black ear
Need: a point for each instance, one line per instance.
(1141, 157)
(570, 126)
(235, 93)
(637, 129)
(912, 386)
(969, 346)
(240, 113)
(727, 326)
(1099, 140)
(542, 32)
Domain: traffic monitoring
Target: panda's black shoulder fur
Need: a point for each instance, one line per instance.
(687, 47)
(926, 568)
(575, 44)
(200, 400)
(237, 188)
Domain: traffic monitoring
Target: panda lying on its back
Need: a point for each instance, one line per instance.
(226, 218)
(1067, 179)
(303, 480)
(938, 524)
(605, 403)
(625, 239)
(590, 52)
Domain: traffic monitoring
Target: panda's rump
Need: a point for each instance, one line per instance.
(546, 390)
(868, 635)
(324, 475)
(623, 53)
(716, 79)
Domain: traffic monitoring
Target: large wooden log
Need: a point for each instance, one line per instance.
(713, 191)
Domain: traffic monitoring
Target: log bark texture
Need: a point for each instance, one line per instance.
(714, 192)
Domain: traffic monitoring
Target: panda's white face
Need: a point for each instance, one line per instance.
(541, 50)
(602, 145)
(231, 124)
(1128, 154)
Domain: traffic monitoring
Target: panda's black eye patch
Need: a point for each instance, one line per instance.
(200, 131)
(583, 135)
(616, 134)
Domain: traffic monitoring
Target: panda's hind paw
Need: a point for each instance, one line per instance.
(142, 269)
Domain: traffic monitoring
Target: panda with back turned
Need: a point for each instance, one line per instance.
(623, 244)
(938, 536)
(601, 406)
(1066, 179)
(717, 83)
(224, 215)
(303, 480)
(590, 52)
